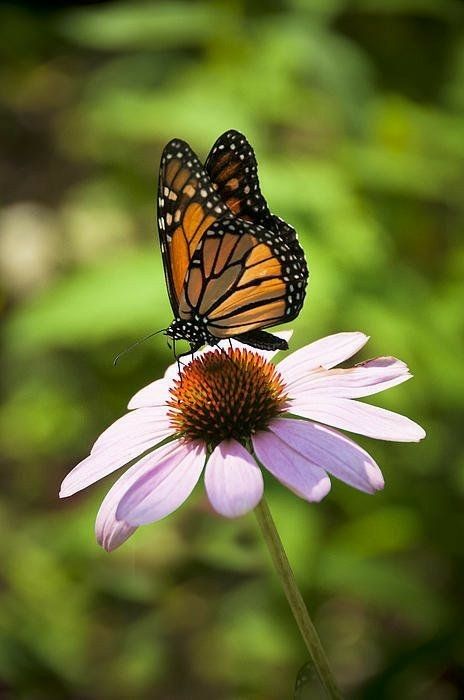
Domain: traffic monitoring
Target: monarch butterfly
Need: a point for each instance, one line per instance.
(232, 268)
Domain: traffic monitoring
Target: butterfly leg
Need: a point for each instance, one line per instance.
(231, 348)
(177, 359)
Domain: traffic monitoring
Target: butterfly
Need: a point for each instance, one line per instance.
(232, 268)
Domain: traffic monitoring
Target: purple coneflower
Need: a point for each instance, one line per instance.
(231, 413)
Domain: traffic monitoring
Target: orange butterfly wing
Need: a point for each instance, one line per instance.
(187, 207)
(240, 280)
(232, 167)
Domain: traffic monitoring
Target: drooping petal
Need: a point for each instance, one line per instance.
(294, 470)
(326, 353)
(331, 451)
(129, 437)
(358, 417)
(233, 480)
(154, 394)
(110, 532)
(364, 379)
(163, 486)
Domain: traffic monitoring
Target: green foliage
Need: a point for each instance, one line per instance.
(80, 308)
(356, 114)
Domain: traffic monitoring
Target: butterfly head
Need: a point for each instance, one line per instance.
(195, 333)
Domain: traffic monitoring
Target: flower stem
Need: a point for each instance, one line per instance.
(296, 602)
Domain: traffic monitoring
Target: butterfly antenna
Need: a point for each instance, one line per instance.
(134, 345)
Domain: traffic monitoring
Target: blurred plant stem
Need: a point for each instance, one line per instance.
(295, 599)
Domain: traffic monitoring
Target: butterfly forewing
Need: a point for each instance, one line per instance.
(232, 166)
(187, 207)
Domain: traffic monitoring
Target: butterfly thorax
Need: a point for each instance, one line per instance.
(194, 332)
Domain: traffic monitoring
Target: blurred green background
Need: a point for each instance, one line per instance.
(356, 112)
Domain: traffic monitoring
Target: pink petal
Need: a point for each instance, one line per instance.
(362, 380)
(233, 481)
(144, 422)
(127, 438)
(294, 470)
(154, 394)
(359, 418)
(164, 485)
(111, 533)
(331, 451)
(326, 352)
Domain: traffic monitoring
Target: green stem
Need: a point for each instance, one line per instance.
(296, 602)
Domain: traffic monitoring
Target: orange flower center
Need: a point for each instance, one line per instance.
(226, 394)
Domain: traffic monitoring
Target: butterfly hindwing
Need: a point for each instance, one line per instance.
(187, 206)
(241, 278)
